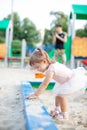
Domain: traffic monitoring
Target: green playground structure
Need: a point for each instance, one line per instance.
(6, 26)
(79, 12)
(15, 51)
(18, 51)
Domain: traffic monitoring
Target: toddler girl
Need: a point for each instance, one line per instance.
(67, 81)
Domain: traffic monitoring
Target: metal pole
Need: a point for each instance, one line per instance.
(23, 52)
(73, 35)
(69, 27)
(6, 40)
(12, 19)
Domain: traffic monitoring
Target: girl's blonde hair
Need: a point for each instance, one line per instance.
(38, 56)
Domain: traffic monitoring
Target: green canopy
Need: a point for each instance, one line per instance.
(4, 24)
(80, 11)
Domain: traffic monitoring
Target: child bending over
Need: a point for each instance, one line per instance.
(67, 81)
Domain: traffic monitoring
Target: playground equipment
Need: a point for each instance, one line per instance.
(2, 51)
(37, 117)
(84, 62)
(78, 12)
(79, 50)
(5, 25)
(7, 49)
(79, 47)
(18, 52)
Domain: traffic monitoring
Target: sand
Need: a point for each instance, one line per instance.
(11, 105)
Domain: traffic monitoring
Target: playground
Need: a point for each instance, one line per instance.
(12, 109)
(75, 47)
(17, 80)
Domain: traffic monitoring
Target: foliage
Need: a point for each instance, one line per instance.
(82, 32)
(2, 39)
(85, 27)
(24, 29)
(30, 32)
(16, 42)
(47, 37)
(60, 18)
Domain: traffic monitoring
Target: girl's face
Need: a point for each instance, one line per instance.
(42, 66)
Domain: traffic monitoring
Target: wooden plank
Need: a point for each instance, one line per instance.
(37, 117)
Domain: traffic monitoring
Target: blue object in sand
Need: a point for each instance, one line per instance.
(37, 117)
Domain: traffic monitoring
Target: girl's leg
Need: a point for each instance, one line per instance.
(57, 103)
(62, 102)
(57, 109)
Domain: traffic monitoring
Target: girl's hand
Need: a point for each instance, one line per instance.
(32, 96)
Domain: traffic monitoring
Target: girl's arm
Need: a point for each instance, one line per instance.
(45, 83)
(43, 86)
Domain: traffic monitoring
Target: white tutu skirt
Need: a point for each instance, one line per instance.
(76, 83)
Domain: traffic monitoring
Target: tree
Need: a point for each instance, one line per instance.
(60, 18)
(85, 27)
(2, 37)
(30, 32)
(16, 25)
(48, 37)
(24, 29)
(82, 32)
